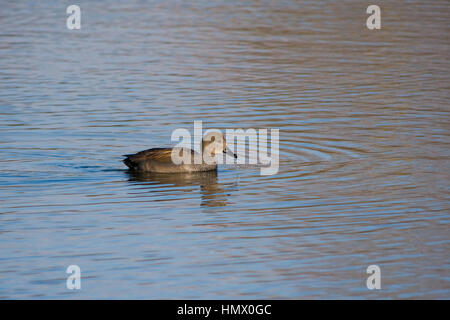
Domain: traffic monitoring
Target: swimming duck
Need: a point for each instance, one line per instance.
(160, 160)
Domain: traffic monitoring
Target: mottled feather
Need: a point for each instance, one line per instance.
(161, 155)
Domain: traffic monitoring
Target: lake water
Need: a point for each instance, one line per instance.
(364, 149)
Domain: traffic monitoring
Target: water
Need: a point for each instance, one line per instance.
(364, 149)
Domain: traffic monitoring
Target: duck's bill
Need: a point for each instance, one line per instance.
(229, 152)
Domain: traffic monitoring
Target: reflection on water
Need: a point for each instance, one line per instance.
(364, 149)
(212, 193)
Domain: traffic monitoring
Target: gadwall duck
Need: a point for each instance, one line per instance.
(160, 160)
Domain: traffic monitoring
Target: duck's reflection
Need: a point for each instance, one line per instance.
(212, 193)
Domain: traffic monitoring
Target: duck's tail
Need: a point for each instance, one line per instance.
(129, 163)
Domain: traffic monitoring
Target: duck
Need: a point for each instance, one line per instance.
(161, 160)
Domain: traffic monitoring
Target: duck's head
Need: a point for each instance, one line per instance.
(214, 143)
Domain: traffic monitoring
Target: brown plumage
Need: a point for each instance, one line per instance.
(160, 159)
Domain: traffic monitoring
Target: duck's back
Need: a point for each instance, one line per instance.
(160, 160)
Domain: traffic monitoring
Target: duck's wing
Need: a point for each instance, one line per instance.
(163, 155)
(157, 154)
(132, 161)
